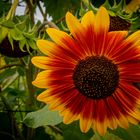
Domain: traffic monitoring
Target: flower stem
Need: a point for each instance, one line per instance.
(30, 100)
(12, 10)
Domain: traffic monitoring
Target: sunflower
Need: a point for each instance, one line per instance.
(90, 74)
(132, 6)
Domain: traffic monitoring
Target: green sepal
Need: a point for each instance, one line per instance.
(22, 44)
(4, 32)
(8, 24)
(16, 34)
(11, 40)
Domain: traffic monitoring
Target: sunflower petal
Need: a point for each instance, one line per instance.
(114, 39)
(58, 36)
(101, 127)
(86, 117)
(75, 27)
(69, 117)
(41, 80)
(88, 19)
(102, 21)
(40, 61)
(134, 38)
(46, 47)
(66, 42)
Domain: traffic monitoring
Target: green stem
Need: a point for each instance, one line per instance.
(30, 100)
(29, 79)
(12, 10)
(31, 6)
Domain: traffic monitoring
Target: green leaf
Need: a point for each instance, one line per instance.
(108, 136)
(29, 35)
(22, 44)
(32, 43)
(58, 8)
(73, 132)
(9, 80)
(4, 6)
(42, 117)
(132, 133)
(7, 73)
(11, 40)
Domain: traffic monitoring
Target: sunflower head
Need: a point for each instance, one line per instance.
(119, 19)
(132, 6)
(89, 74)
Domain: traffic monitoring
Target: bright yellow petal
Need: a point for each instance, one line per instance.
(85, 124)
(55, 104)
(134, 38)
(102, 20)
(74, 25)
(40, 61)
(135, 113)
(101, 127)
(41, 80)
(112, 123)
(132, 120)
(88, 19)
(46, 47)
(69, 117)
(44, 96)
(122, 122)
(58, 36)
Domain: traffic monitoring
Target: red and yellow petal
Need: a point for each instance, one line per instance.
(86, 116)
(132, 92)
(75, 27)
(66, 42)
(114, 39)
(120, 118)
(101, 27)
(51, 63)
(134, 38)
(130, 72)
(100, 117)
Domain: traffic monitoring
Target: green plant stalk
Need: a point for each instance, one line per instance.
(29, 79)
(30, 9)
(12, 10)
(31, 99)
